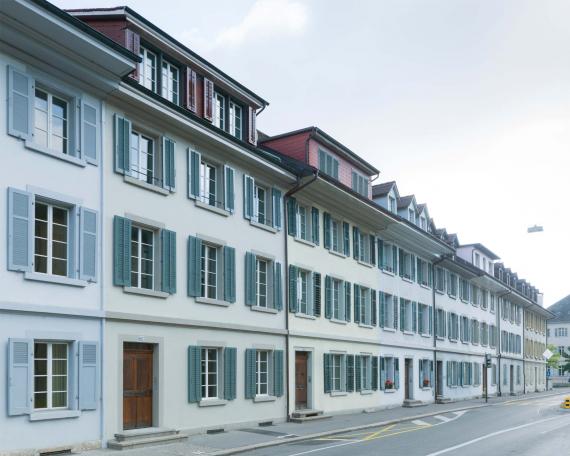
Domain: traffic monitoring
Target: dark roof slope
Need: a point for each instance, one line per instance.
(404, 201)
(382, 189)
(561, 310)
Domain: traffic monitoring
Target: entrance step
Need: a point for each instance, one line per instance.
(413, 403)
(138, 438)
(443, 400)
(302, 416)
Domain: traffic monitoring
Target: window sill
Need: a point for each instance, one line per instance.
(464, 342)
(427, 336)
(464, 301)
(388, 272)
(366, 392)
(440, 338)
(453, 340)
(426, 388)
(304, 241)
(39, 277)
(390, 391)
(215, 210)
(214, 302)
(60, 156)
(262, 226)
(264, 399)
(338, 393)
(405, 279)
(408, 333)
(212, 402)
(441, 292)
(364, 325)
(452, 296)
(308, 317)
(139, 183)
(392, 330)
(145, 292)
(427, 287)
(364, 263)
(339, 322)
(268, 310)
(338, 254)
(54, 415)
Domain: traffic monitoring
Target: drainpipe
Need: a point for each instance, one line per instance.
(102, 277)
(298, 187)
(523, 354)
(433, 317)
(499, 342)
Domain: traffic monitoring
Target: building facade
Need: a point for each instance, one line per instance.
(558, 332)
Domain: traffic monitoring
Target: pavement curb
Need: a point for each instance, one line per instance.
(317, 435)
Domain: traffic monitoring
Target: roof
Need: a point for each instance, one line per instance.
(405, 201)
(561, 310)
(382, 189)
(483, 249)
(124, 10)
(316, 131)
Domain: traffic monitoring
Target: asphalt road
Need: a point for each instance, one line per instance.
(524, 428)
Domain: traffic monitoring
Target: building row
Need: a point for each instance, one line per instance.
(169, 266)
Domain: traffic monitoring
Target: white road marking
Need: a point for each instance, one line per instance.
(493, 434)
(420, 423)
(352, 442)
(286, 436)
(556, 427)
(460, 413)
(442, 418)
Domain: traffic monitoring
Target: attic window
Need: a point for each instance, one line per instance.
(411, 216)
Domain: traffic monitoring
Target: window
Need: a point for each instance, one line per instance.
(465, 329)
(170, 82)
(467, 373)
(50, 375)
(406, 315)
(365, 372)
(338, 302)
(390, 309)
(476, 374)
(142, 258)
(261, 281)
(328, 164)
(493, 374)
(423, 225)
(407, 266)
(424, 275)
(426, 374)
(452, 373)
(209, 271)
(209, 373)
(464, 285)
(452, 284)
(364, 246)
(337, 236)
(303, 230)
(453, 326)
(389, 260)
(484, 334)
(147, 69)
(440, 323)
(209, 183)
(262, 372)
(477, 260)
(362, 305)
(262, 207)
(142, 158)
(424, 319)
(412, 216)
(484, 264)
(475, 332)
(360, 184)
(337, 362)
(219, 111)
(303, 292)
(389, 373)
(392, 204)
(51, 121)
(484, 298)
(51, 239)
(235, 120)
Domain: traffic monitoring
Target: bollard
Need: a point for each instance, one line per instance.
(566, 403)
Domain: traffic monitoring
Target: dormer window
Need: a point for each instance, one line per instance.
(484, 264)
(392, 204)
(328, 164)
(219, 111)
(235, 120)
(423, 223)
(412, 216)
(170, 82)
(477, 260)
(360, 184)
(147, 73)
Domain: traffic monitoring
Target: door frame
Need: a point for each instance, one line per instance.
(310, 376)
(439, 377)
(511, 379)
(157, 377)
(409, 378)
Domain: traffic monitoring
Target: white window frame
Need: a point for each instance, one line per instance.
(50, 375)
(392, 207)
(206, 271)
(236, 120)
(170, 85)
(205, 373)
(147, 71)
(303, 292)
(338, 299)
(303, 220)
(49, 128)
(136, 167)
(49, 256)
(205, 182)
(219, 111)
(338, 366)
(138, 256)
(262, 295)
(365, 372)
(259, 364)
(267, 201)
(389, 310)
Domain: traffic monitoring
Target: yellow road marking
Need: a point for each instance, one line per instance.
(377, 433)
(400, 432)
(333, 439)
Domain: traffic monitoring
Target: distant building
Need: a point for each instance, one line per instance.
(558, 334)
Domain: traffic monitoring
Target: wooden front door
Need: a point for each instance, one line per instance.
(301, 359)
(137, 385)
(409, 375)
(439, 378)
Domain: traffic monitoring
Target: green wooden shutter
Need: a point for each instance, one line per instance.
(293, 306)
(382, 373)
(430, 317)
(402, 265)
(381, 263)
(396, 310)
(250, 279)
(430, 275)
(169, 170)
(356, 242)
(347, 300)
(420, 277)
(250, 382)
(194, 373)
(292, 216)
(317, 294)
(90, 131)
(357, 372)
(374, 373)
(327, 368)
(413, 266)
(328, 297)
(346, 237)
(20, 230)
(121, 251)
(374, 308)
(357, 315)
(414, 316)
(382, 313)
(277, 287)
(421, 312)
(88, 375)
(248, 189)
(194, 159)
(229, 192)
(402, 315)
(326, 230)
(122, 144)
(349, 373)
(420, 373)
(194, 266)
(229, 274)
(230, 361)
(20, 104)
(168, 261)
(315, 227)
(395, 259)
(277, 198)
(278, 373)
(397, 373)
(372, 240)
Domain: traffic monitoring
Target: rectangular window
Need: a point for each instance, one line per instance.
(475, 332)
(303, 223)
(143, 158)
(337, 299)
(142, 258)
(336, 236)
(328, 164)
(440, 323)
(360, 184)
(210, 180)
(392, 205)
(365, 305)
(337, 372)
(412, 216)
(235, 120)
(406, 264)
(389, 257)
(262, 205)
(423, 225)
(51, 239)
(51, 121)
(147, 69)
(390, 308)
(464, 284)
(261, 275)
(210, 373)
(170, 82)
(219, 111)
(262, 372)
(50, 375)
(303, 291)
(452, 284)
(365, 373)
(425, 373)
(423, 272)
(439, 279)
(390, 366)
(477, 260)
(465, 329)
(406, 314)
(209, 269)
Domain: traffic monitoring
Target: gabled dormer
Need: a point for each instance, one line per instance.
(453, 240)
(423, 217)
(386, 195)
(479, 256)
(431, 226)
(408, 208)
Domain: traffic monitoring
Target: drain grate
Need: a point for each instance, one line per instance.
(56, 452)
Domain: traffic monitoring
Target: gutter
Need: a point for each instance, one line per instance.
(297, 188)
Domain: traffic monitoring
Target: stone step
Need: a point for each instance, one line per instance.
(309, 418)
(443, 400)
(413, 403)
(306, 413)
(139, 438)
(135, 434)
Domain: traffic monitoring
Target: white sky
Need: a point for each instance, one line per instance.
(465, 103)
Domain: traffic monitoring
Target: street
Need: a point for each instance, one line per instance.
(528, 427)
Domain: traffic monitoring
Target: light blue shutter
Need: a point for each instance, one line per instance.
(250, 279)
(420, 372)
(382, 373)
(357, 315)
(194, 373)
(448, 373)
(88, 231)
(194, 159)
(316, 294)
(20, 104)
(229, 274)
(278, 373)
(358, 373)
(328, 297)
(168, 261)
(413, 267)
(374, 373)
(20, 230)
(122, 144)
(395, 259)
(402, 315)
(277, 198)
(349, 373)
(169, 168)
(382, 314)
(250, 383)
(327, 380)
(414, 316)
(356, 242)
(90, 131)
(374, 308)
(20, 358)
(326, 230)
(293, 306)
(396, 310)
(347, 300)
(229, 194)
(230, 373)
(194, 266)
(277, 287)
(248, 188)
(315, 225)
(121, 251)
(88, 375)
(430, 311)
(397, 373)
(292, 216)
(381, 263)
(402, 265)
(346, 237)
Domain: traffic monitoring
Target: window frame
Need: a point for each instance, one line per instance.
(140, 228)
(50, 206)
(258, 373)
(219, 110)
(175, 89)
(156, 170)
(68, 121)
(233, 125)
(49, 375)
(205, 270)
(204, 374)
(142, 69)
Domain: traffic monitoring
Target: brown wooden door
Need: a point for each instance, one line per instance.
(137, 385)
(408, 378)
(301, 359)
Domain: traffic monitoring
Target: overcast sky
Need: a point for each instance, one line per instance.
(465, 103)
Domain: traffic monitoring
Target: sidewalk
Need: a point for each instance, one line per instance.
(249, 438)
